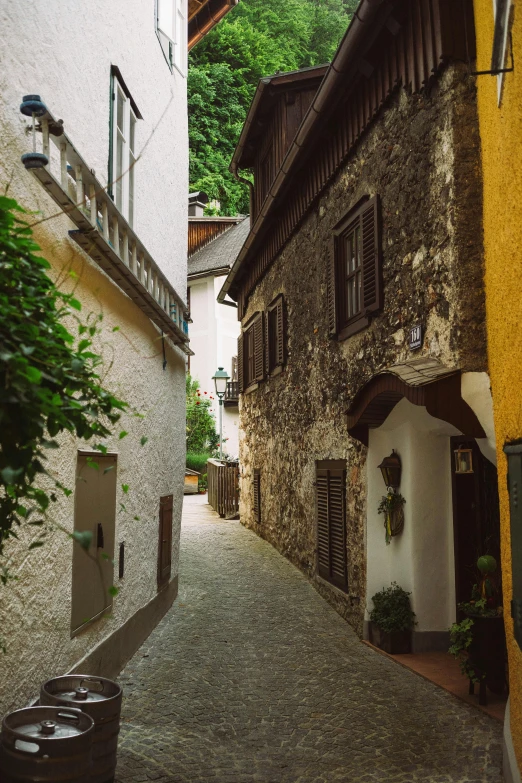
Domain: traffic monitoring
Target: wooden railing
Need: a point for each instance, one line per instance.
(105, 235)
(232, 393)
(223, 487)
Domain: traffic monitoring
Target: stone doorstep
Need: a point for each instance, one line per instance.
(440, 676)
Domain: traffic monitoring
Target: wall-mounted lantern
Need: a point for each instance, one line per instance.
(463, 460)
(391, 470)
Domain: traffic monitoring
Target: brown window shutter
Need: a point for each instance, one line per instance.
(331, 526)
(257, 495)
(268, 358)
(336, 514)
(371, 257)
(323, 546)
(240, 364)
(259, 358)
(165, 541)
(280, 345)
(332, 290)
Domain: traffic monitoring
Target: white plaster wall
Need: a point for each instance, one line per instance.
(475, 388)
(213, 338)
(421, 558)
(63, 50)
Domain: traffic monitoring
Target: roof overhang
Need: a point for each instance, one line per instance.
(262, 105)
(366, 24)
(423, 382)
(204, 15)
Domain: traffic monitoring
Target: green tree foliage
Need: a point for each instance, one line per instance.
(49, 380)
(257, 38)
(201, 424)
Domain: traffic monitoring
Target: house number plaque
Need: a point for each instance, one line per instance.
(415, 338)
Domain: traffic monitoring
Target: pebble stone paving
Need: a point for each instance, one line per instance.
(252, 678)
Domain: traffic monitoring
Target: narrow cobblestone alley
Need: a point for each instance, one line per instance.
(253, 677)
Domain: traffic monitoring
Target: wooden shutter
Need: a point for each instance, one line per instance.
(165, 541)
(257, 495)
(280, 342)
(240, 364)
(371, 257)
(336, 518)
(323, 536)
(259, 355)
(331, 526)
(268, 359)
(332, 289)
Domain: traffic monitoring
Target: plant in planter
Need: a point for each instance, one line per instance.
(478, 641)
(392, 620)
(392, 506)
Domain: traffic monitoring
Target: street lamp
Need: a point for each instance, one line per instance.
(220, 379)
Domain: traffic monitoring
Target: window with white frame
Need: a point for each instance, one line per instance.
(123, 155)
(171, 27)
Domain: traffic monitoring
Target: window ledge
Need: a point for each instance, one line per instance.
(251, 388)
(353, 328)
(277, 371)
(332, 587)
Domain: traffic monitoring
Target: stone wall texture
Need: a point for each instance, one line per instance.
(420, 157)
(64, 52)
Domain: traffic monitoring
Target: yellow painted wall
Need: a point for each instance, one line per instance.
(501, 138)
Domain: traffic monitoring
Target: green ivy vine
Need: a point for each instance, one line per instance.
(50, 382)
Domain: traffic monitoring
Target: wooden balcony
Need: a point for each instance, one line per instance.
(232, 394)
(104, 234)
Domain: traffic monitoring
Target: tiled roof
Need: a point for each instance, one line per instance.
(221, 252)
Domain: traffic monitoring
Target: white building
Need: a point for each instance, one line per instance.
(215, 244)
(112, 77)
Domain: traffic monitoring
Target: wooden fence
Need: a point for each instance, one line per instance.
(223, 487)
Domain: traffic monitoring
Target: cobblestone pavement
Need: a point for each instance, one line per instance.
(253, 677)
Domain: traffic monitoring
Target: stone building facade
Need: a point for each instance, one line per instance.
(418, 157)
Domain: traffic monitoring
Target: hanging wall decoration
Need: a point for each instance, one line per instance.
(392, 506)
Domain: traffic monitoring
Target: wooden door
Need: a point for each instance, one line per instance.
(94, 512)
(476, 517)
(165, 540)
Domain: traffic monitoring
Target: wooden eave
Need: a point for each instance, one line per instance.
(435, 387)
(261, 109)
(420, 37)
(204, 15)
(202, 230)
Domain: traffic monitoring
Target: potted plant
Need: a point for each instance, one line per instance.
(392, 620)
(478, 641)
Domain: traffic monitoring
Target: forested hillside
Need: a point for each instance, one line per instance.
(257, 38)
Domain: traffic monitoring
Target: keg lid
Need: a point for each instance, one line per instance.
(77, 689)
(45, 724)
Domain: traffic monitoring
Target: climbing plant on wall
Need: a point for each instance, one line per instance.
(49, 380)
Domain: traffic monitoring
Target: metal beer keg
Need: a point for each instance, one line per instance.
(101, 700)
(46, 744)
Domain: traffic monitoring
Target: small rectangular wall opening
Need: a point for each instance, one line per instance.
(94, 513)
